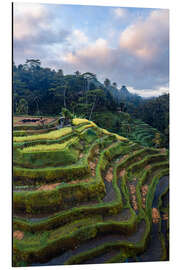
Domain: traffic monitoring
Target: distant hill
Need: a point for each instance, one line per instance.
(134, 129)
(123, 95)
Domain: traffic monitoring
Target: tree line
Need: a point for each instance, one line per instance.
(44, 91)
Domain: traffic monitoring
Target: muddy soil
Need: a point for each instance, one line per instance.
(17, 121)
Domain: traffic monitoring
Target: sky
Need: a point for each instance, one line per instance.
(130, 46)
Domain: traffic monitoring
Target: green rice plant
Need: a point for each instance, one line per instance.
(51, 147)
(135, 155)
(79, 121)
(46, 136)
(89, 135)
(154, 169)
(49, 174)
(44, 159)
(150, 159)
(152, 187)
(53, 200)
(32, 252)
(52, 174)
(117, 136)
(76, 222)
(60, 140)
(75, 225)
(83, 128)
(100, 208)
(92, 189)
(19, 133)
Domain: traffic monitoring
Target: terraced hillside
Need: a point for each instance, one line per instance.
(134, 129)
(140, 132)
(84, 195)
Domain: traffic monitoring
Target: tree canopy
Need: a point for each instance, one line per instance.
(43, 91)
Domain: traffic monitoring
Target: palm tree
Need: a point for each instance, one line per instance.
(60, 73)
(107, 82)
(114, 84)
(77, 73)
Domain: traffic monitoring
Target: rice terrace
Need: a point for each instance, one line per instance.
(82, 194)
(90, 134)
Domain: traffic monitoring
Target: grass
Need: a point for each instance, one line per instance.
(84, 127)
(78, 121)
(49, 174)
(47, 136)
(75, 225)
(19, 133)
(112, 207)
(121, 138)
(47, 148)
(125, 126)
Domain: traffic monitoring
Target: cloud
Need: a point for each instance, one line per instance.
(80, 36)
(27, 18)
(34, 31)
(120, 12)
(76, 40)
(138, 56)
(34, 23)
(149, 92)
(33, 10)
(146, 39)
(141, 60)
(95, 54)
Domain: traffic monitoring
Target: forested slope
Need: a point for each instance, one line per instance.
(43, 91)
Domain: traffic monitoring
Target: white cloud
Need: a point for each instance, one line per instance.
(120, 12)
(149, 92)
(77, 40)
(80, 36)
(29, 10)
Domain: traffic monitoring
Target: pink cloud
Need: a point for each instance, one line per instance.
(26, 19)
(97, 52)
(145, 39)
